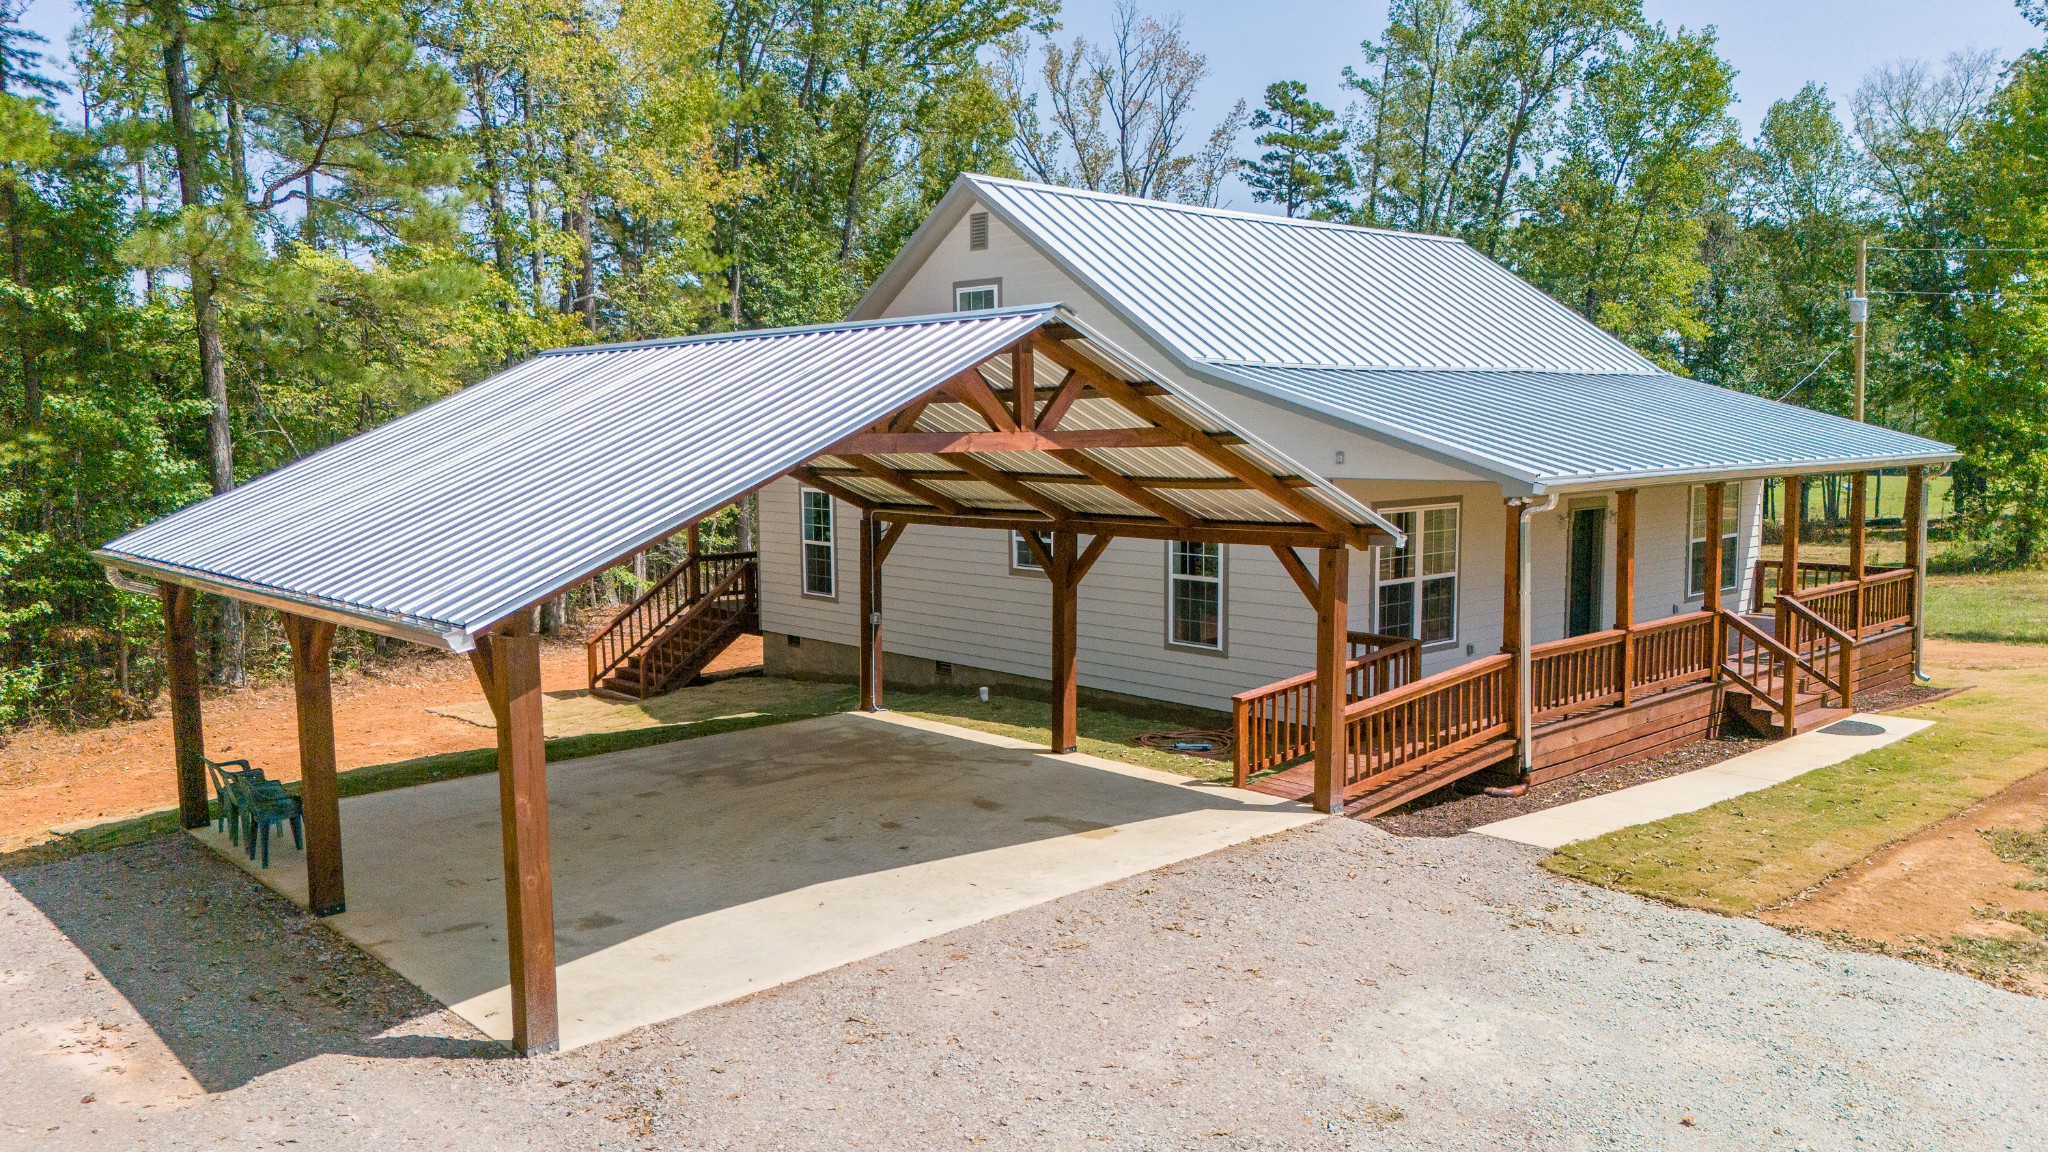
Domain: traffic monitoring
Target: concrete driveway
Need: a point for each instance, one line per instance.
(697, 872)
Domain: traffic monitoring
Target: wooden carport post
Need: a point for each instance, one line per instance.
(188, 735)
(508, 664)
(1333, 652)
(1065, 563)
(870, 618)
(312, 643)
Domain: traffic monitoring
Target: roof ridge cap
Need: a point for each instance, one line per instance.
(805, 329)
(979, 178)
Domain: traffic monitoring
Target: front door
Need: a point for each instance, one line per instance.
(1588, 549)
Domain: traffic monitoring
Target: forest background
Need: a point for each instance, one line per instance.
(272, 224)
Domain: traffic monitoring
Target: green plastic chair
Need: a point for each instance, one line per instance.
(261, 804)
(224, 774)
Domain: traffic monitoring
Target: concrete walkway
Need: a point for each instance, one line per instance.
(701, 871)
(1772, 764)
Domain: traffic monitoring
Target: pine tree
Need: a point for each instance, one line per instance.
(1304, 169)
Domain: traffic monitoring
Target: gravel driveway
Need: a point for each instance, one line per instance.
(1334, 987)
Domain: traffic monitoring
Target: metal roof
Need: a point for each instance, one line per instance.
(1562, 429)
(1415, 338)
(1246, 288)
(446, 521)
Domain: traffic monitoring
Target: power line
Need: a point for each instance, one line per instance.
(1816, 368)
(1879, 248)
(1961, 292)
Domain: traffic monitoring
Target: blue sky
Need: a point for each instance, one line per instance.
(1776, 45)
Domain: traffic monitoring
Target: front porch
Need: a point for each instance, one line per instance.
(1801, 655)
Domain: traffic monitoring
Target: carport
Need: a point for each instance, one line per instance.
(448, 526)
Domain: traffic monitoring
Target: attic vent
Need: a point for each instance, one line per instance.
(977, 230)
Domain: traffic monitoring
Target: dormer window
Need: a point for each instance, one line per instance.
(977, 296)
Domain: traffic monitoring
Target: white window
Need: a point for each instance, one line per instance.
(1418, 582)
(977, 297)
(1022, 558)
(821, 552)
(1696, 550)
(1194, 595)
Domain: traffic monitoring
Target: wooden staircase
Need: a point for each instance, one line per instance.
(666, 637)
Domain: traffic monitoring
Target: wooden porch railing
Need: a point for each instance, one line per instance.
(1672, 652)
(1428, 721)
(628, 633)
(1767, 577)
(1888, 599)
(1276, 724)
(1756, 661)
(1578, 673)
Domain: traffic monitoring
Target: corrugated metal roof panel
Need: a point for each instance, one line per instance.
(463, 512)
(1239, 287)
(1565, 428)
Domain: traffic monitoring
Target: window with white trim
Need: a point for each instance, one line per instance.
(1194, 595)
(1696, 548)
(1418, 582)
(1022, 558)
(820, 549)
(976, 297)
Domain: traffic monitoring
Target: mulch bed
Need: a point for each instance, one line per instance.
(1462, 806)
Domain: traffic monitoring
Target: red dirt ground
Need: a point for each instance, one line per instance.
(56, 779)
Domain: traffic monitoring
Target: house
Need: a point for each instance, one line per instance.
(1082, 440)
(1409, 371)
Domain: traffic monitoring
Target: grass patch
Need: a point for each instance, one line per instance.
(1756, 850)
(1103, 732)
(401, 774)
(2001, 607)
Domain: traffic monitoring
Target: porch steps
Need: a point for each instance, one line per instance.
(690, 654)
(1401, 787)
(1812, 711)
(1392, 789)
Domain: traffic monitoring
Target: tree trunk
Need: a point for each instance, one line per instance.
(220, 448)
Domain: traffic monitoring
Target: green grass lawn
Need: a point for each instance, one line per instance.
(1756, 850)
(2004, 607)
(1105, 733)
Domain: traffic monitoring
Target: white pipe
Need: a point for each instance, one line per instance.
(1920, 675)
(1525, 710)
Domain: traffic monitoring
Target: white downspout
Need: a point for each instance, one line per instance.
(1920, 675)
(1525, 579)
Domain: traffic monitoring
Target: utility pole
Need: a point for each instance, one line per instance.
(1859, 316)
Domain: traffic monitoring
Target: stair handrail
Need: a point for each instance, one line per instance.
(1844, 650)
(710, 599)
(1788, 704)
(598, 670)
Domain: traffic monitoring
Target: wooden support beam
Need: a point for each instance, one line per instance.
(890, 536)
(870, 618)
(1037, 546)
(942, 443)
(188, 735)
(915, 489)
(1204, 532)
(1023, 385)
(1065, 583)
(1916, 554)
(312, 644)
(1303, 578)
(1189, 483)
(1792, 513)
(971, 388)
(1070, 389)
(1859, 494)
(999, 480)
(906, 419)
(508, 663)
(1717, 496)
(1333, 651)
(823, 483)
(1136, 493)
(1089, 555)
(1207, 445)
